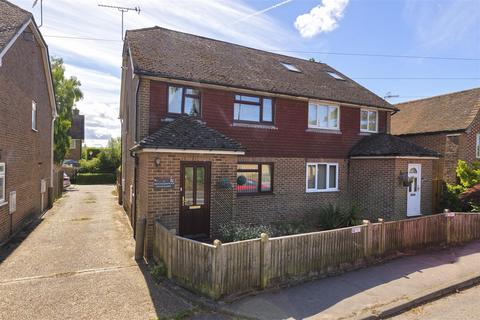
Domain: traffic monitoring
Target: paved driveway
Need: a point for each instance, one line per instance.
(78, 264)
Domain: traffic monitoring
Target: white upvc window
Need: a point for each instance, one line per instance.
(34, 115)
(368, 120)
(322, 177)
(323, 116)
(2, 182)
(477, 149)
(73, 144)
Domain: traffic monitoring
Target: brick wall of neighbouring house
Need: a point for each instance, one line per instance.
(27, 153)
(376, 189)
(165, 203)
(75, 153)
(468, 142)
(289, 200)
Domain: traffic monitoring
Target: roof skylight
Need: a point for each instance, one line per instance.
(335, 75)
(290, 67)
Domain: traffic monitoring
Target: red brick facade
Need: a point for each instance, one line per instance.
(26, 153)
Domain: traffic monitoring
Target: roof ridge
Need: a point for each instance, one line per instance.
(438, 96)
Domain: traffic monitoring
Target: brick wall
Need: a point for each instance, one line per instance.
(27, 153)
(376, 189)
(75, 153)
(468, 142)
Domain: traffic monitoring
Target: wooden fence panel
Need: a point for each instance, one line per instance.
(465, 227)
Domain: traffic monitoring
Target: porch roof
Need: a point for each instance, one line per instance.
(188, 133)
(383, 145)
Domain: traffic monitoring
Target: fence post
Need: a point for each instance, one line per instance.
(382, 236)
(169, 253)
(217, 270)
(367, 248)
(448, 216)
(265, 260)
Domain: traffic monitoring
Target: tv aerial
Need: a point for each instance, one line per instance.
(121, 9)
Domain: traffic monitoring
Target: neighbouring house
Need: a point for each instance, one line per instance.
(214, 132)
(27, 109)
(77, 135)
(448, 124)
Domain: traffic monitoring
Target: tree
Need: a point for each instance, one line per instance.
(67, 93)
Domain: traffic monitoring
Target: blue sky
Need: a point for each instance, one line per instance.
(303, 28)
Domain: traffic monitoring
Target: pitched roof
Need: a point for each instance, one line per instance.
(12, 18)
(188, 133)
(171, 54)
(380, 145)
(448, 112)
(77, 130)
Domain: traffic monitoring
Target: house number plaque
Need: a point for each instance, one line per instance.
(163, 183)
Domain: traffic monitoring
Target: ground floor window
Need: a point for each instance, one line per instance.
(254, 178)
(322, 177)
(2, 182)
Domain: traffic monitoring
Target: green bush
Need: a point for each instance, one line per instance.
(231, 232)
(292, 227)
(333, 217)
(95, 178)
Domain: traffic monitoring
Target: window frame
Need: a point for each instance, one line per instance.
(368, 120)
(259, 104)
(3, 174)
(259, 170)
(34, 116)
(328, 189)
(184, 95)
(318, 105)
(477, 146)
(73, 144)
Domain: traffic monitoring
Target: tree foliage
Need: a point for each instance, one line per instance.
(104, 160)
(468, 176)
(67, 93)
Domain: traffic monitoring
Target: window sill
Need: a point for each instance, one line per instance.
(254, 125)
(3, 203)
(367, 133)
(322, 191)
(328, 131)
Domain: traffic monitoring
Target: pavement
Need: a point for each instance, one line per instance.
(459, 306)
(77, 263)
(374, 292)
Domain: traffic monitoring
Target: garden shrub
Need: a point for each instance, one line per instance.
(333, 217)
(231, 232)
(468, 176)
(95, 178)
(285, 228)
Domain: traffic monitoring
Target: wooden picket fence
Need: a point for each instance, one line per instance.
(232, 268)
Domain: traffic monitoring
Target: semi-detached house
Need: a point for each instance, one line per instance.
(214, 132)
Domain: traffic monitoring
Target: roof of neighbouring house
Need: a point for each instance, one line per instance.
(12, 19)
(176, 55)
(382, 145)
(448, 112)
(77, 130)
(188, 133)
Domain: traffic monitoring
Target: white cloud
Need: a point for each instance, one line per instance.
(323, 18)
(97, 63)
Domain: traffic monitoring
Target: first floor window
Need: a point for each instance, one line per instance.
(254, 178)
(73, 144)
(2, 182)
(368, 120)
(34, 115)
(253, 109)
(322, 177)
(478, 145)
(183, 100)
(323, 117)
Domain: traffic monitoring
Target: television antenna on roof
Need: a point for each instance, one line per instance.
(389, 95)
(121, 9)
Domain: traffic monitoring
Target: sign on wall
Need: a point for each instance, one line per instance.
(13, 201)
(163, 183)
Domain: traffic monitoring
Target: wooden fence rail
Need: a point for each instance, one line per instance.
(233, 268)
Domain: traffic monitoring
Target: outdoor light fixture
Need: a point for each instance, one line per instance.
(157, 162)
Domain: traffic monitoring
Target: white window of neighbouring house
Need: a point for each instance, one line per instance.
(477, 149)
(322, 177)
(34, 115)
(368, 120)
(183, 100)
(323, 116)
(253, 109)
(254, 178)
(73, 144)
(2, 182)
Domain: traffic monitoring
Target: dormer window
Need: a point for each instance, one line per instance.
(290, 67)
(182, 100)
(335, 75)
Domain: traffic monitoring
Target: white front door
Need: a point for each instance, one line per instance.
(414, 189)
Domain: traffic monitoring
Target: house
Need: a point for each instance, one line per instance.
(214, 132)
(448, 124)
(77, 135)
(27, 109)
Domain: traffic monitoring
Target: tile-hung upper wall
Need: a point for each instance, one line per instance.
(27, 153)
(289, 136)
